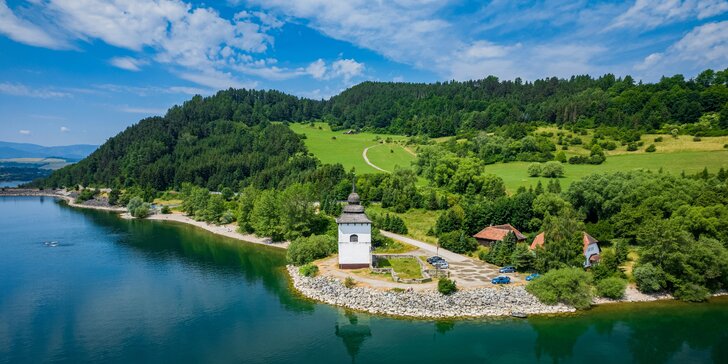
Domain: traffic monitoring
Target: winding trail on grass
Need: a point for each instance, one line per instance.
(366, 159)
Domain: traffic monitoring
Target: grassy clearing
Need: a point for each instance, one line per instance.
(388, 156)
(418, 221)
(515, 174)
(406, 268)
(161, 202)
(336, 147)
(396, 247)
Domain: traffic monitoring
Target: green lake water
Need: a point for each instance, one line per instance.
(118, 291)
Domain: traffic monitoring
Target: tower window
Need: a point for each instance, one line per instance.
(354, 238)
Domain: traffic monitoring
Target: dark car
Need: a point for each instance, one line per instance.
(434, 259)
(507, 269)
(501, 280)
(532, 276)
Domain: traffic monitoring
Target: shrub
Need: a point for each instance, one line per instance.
(631, 147)
(697, 139)
(166, 210)
(534, 169)
(651, 148)
(612, 287)
(307, 249)
(692, 292)
(446, 286)
(552, 169)
(649, 278)
(458, 242)
(349, 282)
(138, 208)
(658, 139)
(86, 195)
(309, 270)
(571, 286)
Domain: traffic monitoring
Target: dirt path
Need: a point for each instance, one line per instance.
(366, 159)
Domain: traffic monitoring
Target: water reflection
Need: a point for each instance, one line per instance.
(353, 329)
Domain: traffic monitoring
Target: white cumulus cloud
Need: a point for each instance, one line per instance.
(24, 131)
(127, 63)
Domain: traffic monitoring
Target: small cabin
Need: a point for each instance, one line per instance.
(590, 249)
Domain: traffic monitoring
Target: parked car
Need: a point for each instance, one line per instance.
(441, 264)
(434, 259)
(507, 269)
(501, 280)
(532, 276)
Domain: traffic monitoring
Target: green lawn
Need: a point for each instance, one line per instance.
(515, 174)
(406, 268)
(347, 149)
(418, 221)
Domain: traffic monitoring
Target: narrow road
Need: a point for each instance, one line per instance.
(366, 159)
(448, 255)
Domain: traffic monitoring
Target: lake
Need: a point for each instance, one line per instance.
(82, 286)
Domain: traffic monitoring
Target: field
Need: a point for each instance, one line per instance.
(515, 174)
(336, 147)
(418, 221)
(406, 268)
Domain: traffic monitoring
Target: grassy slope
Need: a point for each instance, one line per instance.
(515, 174)
(347, 148)
(418, 221)
(406, 268)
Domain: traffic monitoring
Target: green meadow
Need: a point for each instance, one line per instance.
(515, 174)
(347, 149)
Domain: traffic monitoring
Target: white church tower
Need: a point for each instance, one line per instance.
(355, 235)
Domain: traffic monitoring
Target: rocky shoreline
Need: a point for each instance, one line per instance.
(481, 302)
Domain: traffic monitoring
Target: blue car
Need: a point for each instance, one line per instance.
(507, 269)
(501, 280)
(532, 276)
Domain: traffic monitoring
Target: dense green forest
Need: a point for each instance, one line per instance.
(441, 109)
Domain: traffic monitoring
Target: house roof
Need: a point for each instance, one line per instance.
(588, 239)
(353, 212)
(498, 232)
(538, 240)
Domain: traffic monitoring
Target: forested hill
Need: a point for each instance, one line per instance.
(227, 139)
(222, 140)
(442, 109)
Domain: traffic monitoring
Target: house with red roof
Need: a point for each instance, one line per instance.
(494, 233)
(590, 247)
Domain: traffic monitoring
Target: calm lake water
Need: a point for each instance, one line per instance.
(122, 291)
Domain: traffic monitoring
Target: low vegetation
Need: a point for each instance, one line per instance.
(406, 267)
(307, 249)
(571, 286)
(446, 286)
(611, 288)
(308, 270)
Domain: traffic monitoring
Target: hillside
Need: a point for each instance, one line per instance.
(228, 139)
(222, 140)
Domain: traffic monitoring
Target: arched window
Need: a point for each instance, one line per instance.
(354, 238)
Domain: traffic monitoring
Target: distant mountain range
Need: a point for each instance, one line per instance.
(26, 150)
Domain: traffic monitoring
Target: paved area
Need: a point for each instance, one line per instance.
(468, 272)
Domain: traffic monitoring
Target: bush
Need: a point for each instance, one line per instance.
(446, 286)
(571, 286)
(697, 139)
(534, 169)
(138, 208)
(651, 148)
(349, 282)
(86, 195)
(307, 249)
(552, 169)
(692, 292)
(458, 242)
(649, 278)
(309, 270)
(631, 147)
(612, 287)
(166, 210)
(658, 139)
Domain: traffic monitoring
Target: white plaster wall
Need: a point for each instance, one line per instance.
(355, 253)
(364, 231)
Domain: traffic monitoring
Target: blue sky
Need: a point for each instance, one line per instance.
(80, 71)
